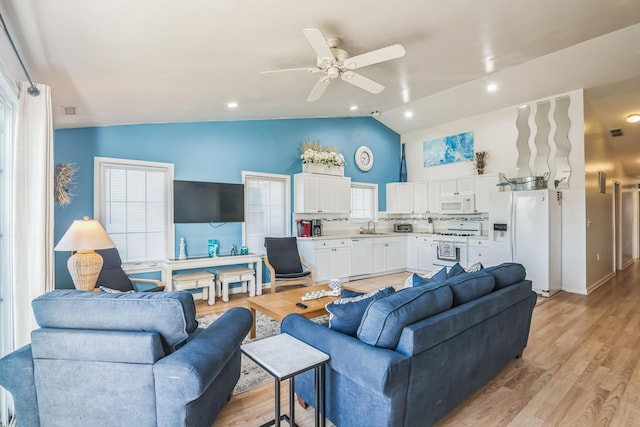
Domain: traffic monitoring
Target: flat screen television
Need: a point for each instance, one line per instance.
(200, 202)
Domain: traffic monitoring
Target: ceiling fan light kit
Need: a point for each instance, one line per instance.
(334, 63)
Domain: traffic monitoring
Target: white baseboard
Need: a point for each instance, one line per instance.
(600, 282)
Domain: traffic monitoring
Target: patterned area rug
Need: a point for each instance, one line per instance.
(251, 375)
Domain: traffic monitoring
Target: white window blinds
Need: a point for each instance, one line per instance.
(135, 208)
(363, 201)
(267, 208)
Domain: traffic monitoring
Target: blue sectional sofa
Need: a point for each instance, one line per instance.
(124, 359)
(420, 351)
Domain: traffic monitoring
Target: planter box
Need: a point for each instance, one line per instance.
(323, 169)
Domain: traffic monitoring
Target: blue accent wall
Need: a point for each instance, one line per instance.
(218, 152)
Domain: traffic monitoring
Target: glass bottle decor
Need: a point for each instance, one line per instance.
(403, 165)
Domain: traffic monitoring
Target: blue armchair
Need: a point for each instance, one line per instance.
(127, 359)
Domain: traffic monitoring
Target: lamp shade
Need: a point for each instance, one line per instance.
(84, 234)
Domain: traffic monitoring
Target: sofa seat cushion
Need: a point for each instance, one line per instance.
(384, 319)
(345, 314)
(170, 314)
(469, 286)
(507, 274)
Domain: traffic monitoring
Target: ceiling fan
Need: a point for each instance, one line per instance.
(334, 63)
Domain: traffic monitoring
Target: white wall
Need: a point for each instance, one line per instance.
(496, 133)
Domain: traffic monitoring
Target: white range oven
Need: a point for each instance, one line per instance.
(452, 246)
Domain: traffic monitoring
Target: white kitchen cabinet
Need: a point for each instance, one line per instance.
(388, 254)
(412, 253)
(361, 256)
(485, 185)
(419, 254)
(328, 258)
(315, 193)
(421, 197)
(407, 197)
(434, 196)
(479, 251)
(400, 197)
(461, 185)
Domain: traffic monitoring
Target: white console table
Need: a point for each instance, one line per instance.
(171, 265)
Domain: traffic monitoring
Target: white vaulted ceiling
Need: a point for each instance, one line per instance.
(149, 61)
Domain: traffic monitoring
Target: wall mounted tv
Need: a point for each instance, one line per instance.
(207, 202)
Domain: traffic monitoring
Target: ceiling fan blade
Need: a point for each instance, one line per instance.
(318, 43)
(319, 89)
(286, 70)
(375, 56)
(362, 82)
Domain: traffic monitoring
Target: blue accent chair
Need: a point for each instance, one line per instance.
(124, 359)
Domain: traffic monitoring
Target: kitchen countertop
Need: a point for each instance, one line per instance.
(381, 234)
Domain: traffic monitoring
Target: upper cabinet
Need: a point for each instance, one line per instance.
(453, 186)
(315, 193)
(407, 197)
(424, 197)
(485, 184)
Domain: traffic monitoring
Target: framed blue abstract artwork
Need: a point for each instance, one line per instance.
(449, 149)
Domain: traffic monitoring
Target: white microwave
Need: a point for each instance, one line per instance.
(458, 204)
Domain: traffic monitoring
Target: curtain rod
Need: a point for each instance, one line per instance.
(33, 90)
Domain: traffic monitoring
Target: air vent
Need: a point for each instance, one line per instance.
(616, 132)
(70, 110)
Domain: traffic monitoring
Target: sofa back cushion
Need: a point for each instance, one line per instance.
(506, 274)
(345, 314)
(170, 314)
(469, 286)
(384, 318)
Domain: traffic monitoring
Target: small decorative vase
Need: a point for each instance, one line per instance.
(335, 284)
(403, 166)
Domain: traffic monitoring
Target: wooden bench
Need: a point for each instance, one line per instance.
(232, 275)
(201, 280)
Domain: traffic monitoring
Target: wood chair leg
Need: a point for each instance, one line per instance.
(301, 402)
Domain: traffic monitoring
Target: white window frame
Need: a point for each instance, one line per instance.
(100, 163)
(286, 179)
(8, 97)
(374, 189)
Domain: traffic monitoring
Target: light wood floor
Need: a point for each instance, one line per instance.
(581, 367)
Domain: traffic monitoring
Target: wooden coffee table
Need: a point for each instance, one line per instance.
(278, 305)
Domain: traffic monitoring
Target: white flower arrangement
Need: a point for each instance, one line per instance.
(314, 153)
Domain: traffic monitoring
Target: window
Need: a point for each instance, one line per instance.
(364, 201)
(133, 201)
(267, 207)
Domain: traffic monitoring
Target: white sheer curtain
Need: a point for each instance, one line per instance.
(33, 207)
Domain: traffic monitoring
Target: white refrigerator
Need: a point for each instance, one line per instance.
(525, 227)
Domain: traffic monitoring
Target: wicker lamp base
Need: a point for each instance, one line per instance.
(84, 267)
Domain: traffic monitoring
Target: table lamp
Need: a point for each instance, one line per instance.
(82, 238)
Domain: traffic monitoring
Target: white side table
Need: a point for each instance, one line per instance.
(284, 356)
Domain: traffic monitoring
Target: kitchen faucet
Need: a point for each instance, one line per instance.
(369, 223)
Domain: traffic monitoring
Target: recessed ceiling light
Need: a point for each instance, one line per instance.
(492, 87)
(633, 118)
(408, 114)
(353, 108)
(232, 104)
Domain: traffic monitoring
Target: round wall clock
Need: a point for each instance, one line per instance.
(364, 158)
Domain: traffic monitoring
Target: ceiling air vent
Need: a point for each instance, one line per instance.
(70, 110)
(616, 132)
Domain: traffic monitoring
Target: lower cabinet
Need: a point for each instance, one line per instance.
(419, 254)
(479, 252)
(388, 254)
(328, 258)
